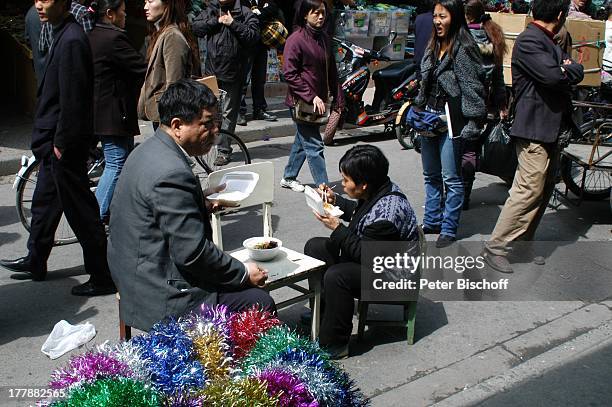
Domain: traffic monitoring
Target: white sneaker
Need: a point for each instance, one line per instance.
(292, 184)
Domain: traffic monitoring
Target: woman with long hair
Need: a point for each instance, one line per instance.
(452, 80)
(119, 71)
(489, 37)
(172, 53)
(311, 75)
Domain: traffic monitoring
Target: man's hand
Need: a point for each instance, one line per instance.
(319, 106)
(504, 113)
(257, 275)
(226, 19)
(567, 62)
(330, 222)
(57, 152)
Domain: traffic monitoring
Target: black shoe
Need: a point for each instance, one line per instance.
(89, 289)
(22, 265)
(497, 262)
(263, 115)
(338, 352)
(431, 230)
(242, 121)
(222, 159)
(445, 241)
(306, 318)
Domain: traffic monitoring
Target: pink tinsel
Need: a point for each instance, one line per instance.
(88, 367)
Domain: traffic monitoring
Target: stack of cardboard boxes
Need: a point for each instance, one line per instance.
(587, 36)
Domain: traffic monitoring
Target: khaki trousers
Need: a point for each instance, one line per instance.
(534, 183)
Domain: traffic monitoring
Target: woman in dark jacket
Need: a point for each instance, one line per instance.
(119, 71)
(381, 213)
(492, 46)
(452, 76)
(311, 75)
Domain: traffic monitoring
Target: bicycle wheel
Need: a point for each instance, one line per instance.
(596, 183)
(208, 162)
(25, 192)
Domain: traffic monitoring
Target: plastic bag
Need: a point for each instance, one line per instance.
(498, 155)
(65, 337)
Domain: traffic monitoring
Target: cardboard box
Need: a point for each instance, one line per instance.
(513, 25)
(211, 83)
(400, 21)
(380, 23)
(357, 23)
(588, 37)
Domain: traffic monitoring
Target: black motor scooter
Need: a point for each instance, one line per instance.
(395, 84)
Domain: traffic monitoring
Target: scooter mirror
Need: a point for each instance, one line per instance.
(392, 37)
(342, 19)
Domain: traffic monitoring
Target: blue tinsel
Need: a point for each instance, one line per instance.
(167, 352)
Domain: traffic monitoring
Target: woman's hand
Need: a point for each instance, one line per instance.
(504, 113)
(319, 106)
(327, 194)
(330, 222)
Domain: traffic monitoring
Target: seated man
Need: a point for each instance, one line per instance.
(160, 251)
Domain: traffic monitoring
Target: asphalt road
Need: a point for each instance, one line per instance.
(458, 342)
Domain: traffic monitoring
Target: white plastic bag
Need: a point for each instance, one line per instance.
(66, 337)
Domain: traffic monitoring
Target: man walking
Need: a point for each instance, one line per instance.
(541, 75)
(230, 30)
(61, 138)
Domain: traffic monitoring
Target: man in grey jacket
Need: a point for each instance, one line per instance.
(160, 251)
(542, 75)
(230, 30)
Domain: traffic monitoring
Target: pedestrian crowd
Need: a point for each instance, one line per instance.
(94, 86)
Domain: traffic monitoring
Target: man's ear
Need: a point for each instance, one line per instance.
(176, 123)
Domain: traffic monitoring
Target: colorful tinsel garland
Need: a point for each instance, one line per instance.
(210, 357)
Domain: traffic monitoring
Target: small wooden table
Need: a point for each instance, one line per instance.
(286, 270)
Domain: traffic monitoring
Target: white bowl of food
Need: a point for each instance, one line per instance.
(262, 248)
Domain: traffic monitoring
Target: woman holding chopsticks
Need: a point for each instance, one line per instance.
(378, 211)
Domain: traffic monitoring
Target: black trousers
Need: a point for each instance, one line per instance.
(63, 187)
(238, 301)
(341, 285)
(258, 64)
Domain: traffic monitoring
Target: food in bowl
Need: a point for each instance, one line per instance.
(262, 248)
(266, 245)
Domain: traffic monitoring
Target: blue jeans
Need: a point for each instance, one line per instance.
(116, 150)
(441, 159)
(308, 144)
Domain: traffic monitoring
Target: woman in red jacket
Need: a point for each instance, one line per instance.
(311, 77)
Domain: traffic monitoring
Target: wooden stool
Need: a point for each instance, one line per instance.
(125, 331)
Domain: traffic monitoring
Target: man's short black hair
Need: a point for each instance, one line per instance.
(365, 164)
(185, 99)
(548, 10)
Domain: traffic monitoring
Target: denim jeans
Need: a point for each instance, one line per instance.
(441, 159)
(116, 150)
(308, 144)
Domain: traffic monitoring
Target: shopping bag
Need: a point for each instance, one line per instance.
(498, 155)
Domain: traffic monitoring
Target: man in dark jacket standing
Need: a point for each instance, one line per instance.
(61, 138)
(541, 75)
(230, 30)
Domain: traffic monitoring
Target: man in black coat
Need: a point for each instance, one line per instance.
(230, 30)
(61, 139)
(542, 75)
(160, 249)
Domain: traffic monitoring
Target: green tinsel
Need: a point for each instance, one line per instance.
(275, 341)
(243, 392)
(119, 392)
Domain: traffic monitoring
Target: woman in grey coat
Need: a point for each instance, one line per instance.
(452, 76)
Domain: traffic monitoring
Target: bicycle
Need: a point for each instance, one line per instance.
(25, 183)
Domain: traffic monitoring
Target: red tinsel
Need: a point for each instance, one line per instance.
(247, 326)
